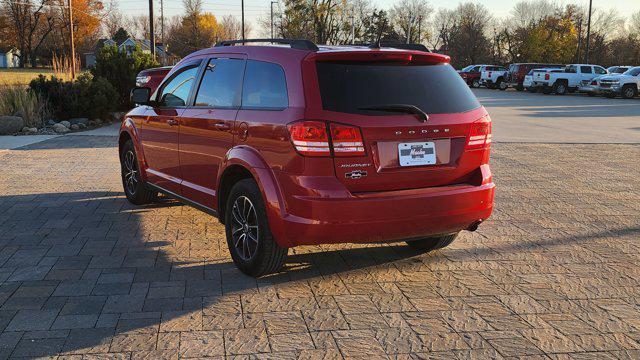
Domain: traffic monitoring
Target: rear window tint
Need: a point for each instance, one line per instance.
(265, 86)
(435, 89)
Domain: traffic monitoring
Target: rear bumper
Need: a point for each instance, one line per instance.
(385, 216)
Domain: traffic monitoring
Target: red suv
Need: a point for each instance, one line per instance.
(299, 144)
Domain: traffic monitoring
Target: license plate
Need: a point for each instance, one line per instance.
(418, 153)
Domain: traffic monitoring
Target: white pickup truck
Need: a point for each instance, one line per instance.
(569, 80)
(626, 85)
(528, 79)
(494, 77)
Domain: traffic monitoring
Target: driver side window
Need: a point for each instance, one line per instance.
(175, 92)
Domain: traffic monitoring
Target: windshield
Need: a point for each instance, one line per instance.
(633, 71)
(620, 70)
(466, 69)
(434, 89)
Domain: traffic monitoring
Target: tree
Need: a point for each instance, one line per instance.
(321, 21)
(193, 31)
(120, 35)
(33, 21)
(408, 17)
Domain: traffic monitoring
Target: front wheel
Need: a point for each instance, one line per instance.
(475, 84)
(251, 244)
(432, 243)
(502, 85)
(629, 92)
(134, 188)
(559, 88)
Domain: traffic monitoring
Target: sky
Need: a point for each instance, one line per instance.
(255, 9)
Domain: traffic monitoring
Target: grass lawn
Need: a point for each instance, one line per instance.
(21, 76)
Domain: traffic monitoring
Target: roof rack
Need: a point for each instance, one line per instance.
(294, 43)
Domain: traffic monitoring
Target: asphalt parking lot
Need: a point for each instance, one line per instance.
(553, 275)
(526, 117)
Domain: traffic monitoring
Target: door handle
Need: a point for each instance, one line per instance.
(172, 122)
(222, 126)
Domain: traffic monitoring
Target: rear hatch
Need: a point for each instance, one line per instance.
(399, 150)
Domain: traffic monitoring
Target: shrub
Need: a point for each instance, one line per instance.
(121, 69)
(86, 97)
(20, 101)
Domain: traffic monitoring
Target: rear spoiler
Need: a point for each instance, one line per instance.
(381, 55)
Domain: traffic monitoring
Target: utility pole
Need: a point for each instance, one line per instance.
(353, 27)
(164, 44)
(242, 4)
(152, 35)
(273, 2)
(419, 29)
(579, 40)
(588, 31)
(73, 46)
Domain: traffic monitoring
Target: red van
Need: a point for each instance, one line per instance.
(295, 144)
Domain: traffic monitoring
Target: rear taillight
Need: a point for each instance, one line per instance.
(346, 140)
(310, 138)
(546, 76)
(594, 82)
(480, 134)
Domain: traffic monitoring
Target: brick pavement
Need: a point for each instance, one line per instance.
(554, 274)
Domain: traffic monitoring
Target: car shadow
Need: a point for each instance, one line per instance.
(102, 273)
(69, 142)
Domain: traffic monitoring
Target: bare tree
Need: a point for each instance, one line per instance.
(33, 21)
(409, 16)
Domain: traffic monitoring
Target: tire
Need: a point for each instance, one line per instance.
(559, 88)
(502, 85)
(432, 243)
(475, 84)
(629, 92)
(251, 244)
(135, 189)
(519, 87)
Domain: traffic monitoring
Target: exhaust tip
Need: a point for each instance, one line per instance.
(474, 226)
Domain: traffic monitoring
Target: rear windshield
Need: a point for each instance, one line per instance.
(435, 89)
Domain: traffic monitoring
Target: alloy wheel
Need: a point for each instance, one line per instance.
(245, 229)
(628, 93)
(131, 172)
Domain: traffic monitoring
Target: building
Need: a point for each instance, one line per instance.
(9, 57)
(129, 46)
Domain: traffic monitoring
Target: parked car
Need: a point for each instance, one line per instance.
(494, 77)
(300, 144)
(618, 69)
(517, 72)
(151, 78)
(625, 85)
(471, 75)
(569, 80)
(528, 82)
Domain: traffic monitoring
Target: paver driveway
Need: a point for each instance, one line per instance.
(554, 273)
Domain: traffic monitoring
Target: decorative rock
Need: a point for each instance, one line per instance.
(60, 128)
(65, 123)
(77, 121)
(82, 126)
(51, 122)
(75, 127)
(33, 130)
(97, 121)
(10, 124)
(25, 130)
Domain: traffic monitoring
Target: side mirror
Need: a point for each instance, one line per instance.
(140, 96)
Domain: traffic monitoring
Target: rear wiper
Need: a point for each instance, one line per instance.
(401, 108)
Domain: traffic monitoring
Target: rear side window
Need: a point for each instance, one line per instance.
(435, 89)
(221, 84)
(265, 87)
(599, 70)
(585, 69)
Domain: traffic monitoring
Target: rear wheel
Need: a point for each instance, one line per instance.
(502, 85)
(432, 243)
(629, 92)
(560, 88)
(134, 188)
(475, 83)
(251, 244)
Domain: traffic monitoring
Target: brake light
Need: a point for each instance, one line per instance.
(346, 140)
(546, 76)
(594, 82)
(310, 138)
(480, 134)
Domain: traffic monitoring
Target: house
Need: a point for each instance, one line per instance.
(9, 57)
(129, 46)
